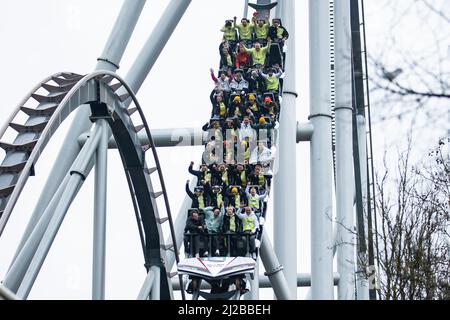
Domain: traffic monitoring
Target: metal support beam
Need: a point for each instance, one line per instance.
(148, 285)
(285, 184)
(26, 251)
(321, 154)
(245, 9)
(188, 137)
(179, 224)
(304, 132)
(29, 268)
(344, 152)
(6, 294)
(274, 269)
(303, 280)
(99, 251)
(114, 50)
(155, 294)
(362, 284)
(156, 43)
(120, 35)
(173, 137)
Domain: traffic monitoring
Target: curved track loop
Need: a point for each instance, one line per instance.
(98, 90)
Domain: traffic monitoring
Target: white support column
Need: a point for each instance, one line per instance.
(144, 293)
(156, 288)
(156, 43)
(120, 35)
(99, 240)
(321, 154)
(362, 285)
(274, 270)
(344, 151)
(285, 184)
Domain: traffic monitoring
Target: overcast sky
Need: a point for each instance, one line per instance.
(52, 36)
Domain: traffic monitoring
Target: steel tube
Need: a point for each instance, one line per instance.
(100, 203)
(321, 155)
(274, 269)
(285, 184)
(344, 152)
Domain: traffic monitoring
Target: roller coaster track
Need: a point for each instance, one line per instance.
(66, 92)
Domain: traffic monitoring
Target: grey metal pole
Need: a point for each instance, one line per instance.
(279, 9)
(303, 280)
(120, 35)
(274, 269)
(6, 294)
(304, 132)
(147, 286)
(25, 252)
(188, 137)
(114, 50)
(100, 192)
(156, 42)
(255, 284)
(78, 175)
(321, 155)
(344, 152)
(245, 9)
(180, 223)
(285, 184)
(156, 289)
(362, 285)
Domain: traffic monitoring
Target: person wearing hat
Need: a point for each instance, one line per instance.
(264, 130)
(252, 107)
(233, 197)
(214, 221)
(194, 229)
(245, 30)
(269, 107)
(261, 27)
(199, 198)
(236, 108)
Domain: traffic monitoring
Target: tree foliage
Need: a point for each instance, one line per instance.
(414, 225)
